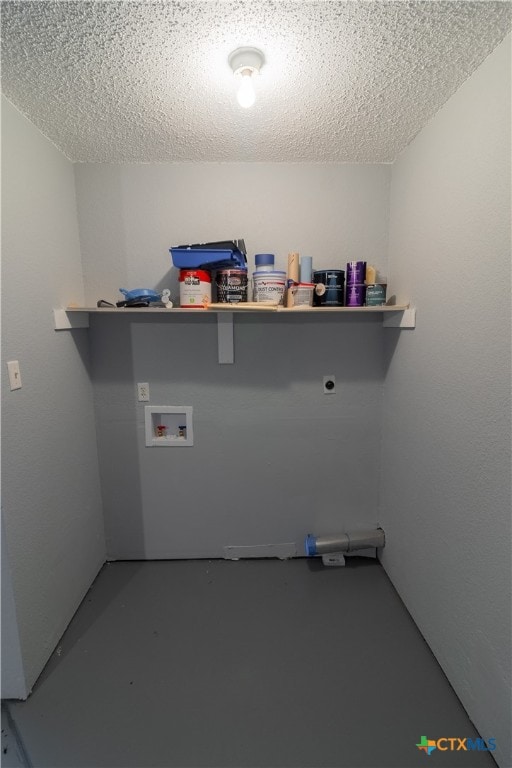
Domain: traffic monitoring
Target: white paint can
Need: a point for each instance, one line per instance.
(269, 287)
(195, 288)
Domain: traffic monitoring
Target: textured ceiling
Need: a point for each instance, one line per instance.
(149, 81)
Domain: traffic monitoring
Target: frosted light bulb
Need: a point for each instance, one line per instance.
(246, 62)
(246, 95)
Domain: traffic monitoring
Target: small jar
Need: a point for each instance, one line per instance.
(264, 262)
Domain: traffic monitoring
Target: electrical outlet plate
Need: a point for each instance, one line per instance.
(329, 385)
(13, 367)
(143, 392)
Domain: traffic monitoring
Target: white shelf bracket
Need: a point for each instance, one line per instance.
(225, 338)
(65, 321)
(403, 318)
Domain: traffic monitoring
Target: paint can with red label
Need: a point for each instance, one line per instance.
(195, 288)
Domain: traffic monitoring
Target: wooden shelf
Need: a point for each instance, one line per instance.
(394, 316)
(235, 309)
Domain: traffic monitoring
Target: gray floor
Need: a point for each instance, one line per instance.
(251, 663)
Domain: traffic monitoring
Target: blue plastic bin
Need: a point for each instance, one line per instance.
(199, 258)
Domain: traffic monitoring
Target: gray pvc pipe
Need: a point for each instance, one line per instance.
(344, 542)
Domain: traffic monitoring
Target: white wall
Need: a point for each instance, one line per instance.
(50, 488)
(445, 492)
(274, 458)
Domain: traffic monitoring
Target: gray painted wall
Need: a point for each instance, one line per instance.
(130, 215)
(13, 683)
(50, 487)
(274, 458)
(445, 492)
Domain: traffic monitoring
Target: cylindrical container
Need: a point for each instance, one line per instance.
(195, 288)
(264, 262)
(375, 295)
(356, 295)
(231, 286)
(306, 265)
(269, 287)
(293, 266)
(293, 275)
(344, 542)
(302, 294)
(329, 285)
(356, 272)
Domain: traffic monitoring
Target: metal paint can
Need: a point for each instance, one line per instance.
(356, 272)
(195, 288)
(375, 295)
(231, 286)
(329, 287)
(356, 295)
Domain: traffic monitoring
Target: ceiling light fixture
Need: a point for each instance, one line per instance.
(245, 63)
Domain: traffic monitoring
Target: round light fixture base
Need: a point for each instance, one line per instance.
(246, 58)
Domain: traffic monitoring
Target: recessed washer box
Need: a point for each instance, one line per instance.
(168, 426)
